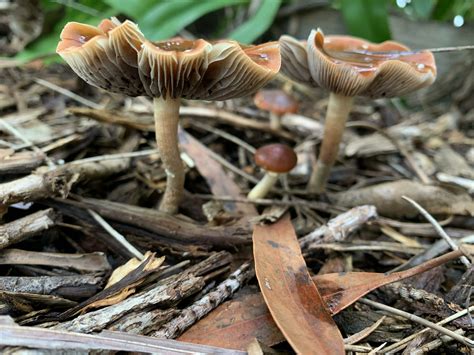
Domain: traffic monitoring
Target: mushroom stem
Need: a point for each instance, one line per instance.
(275, 121)
(166, 128)
(338, 110)
(264, 186)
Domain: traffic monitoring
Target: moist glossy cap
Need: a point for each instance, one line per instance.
(332, 67)
(118, 58)
(276, 101)
(276, 158)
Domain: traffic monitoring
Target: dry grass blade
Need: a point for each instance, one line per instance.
(438, 229)
(293, 299)
(466, 341)
(355, 338)
(14, 335)
(402, 343)
(116, 235)
(92, 262)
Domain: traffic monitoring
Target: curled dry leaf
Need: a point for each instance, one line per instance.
(290, 294)
(120, 286)
(125, 269)
(387, 198)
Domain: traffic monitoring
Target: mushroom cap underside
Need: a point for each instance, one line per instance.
(345, 65)
(276, 158)
(118, 58)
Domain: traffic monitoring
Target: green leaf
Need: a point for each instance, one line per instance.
(423, 8)
(133, 8)
(367, 19)
(258, 23)
(167, 18)
(46, 44)
(442, 10)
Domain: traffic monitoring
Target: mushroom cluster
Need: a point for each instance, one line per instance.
(349, 67)
(117, 57)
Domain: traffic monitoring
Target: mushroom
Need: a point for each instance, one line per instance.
(347, 67)
(275, 159)
(117, 57)
(277, 102)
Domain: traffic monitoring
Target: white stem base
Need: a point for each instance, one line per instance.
(263, 187)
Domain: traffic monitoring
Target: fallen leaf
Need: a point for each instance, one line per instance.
(341, 290)
(235, 323)
(387, 198)
(293, 299)
(125, 269)
(220, 183)
(120, 289)
(450, 162)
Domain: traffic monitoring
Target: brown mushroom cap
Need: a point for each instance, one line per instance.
(276, 101)
(276, 158)
(118, 58)
(104, 56)
(332, 67)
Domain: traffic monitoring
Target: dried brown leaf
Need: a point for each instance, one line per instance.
(220, 183)
(235, 323)
(119, 290)
(292, 297)
(341, 290)
(123, 270)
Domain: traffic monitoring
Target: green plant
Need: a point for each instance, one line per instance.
(366, 19)
(158, 19)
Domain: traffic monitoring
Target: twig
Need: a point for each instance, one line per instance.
(355, 338)
(206, 304)
(35, 337)
(338, 228)
(321, 206)
(115, 156)
(118, 237)
(401, 344)
(438, 229)
(435, 343)
(67, 93)
(225, 135)
(466, 341)
(26, 227)
(232, 118)
(232, 167)
(403, 151)
(21, 136)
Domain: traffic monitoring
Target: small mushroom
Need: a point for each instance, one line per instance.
(349, 66)
(275, 159)
(117, 57)
(277, 102)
